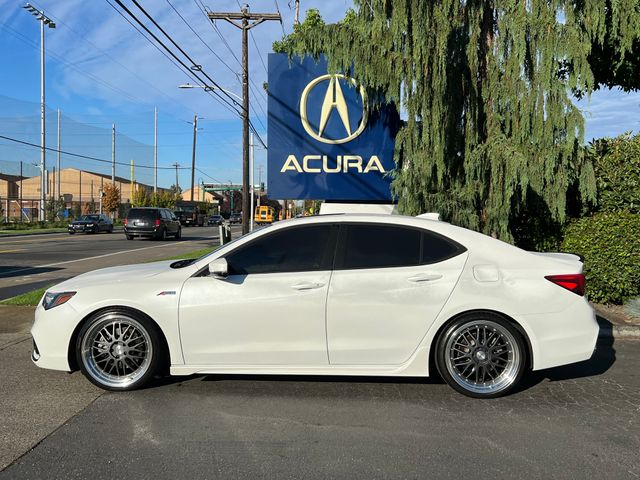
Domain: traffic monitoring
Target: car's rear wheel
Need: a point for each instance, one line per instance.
(481, 355)
(119, 350)
(162, 234)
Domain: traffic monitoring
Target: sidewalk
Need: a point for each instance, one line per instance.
(613, 323)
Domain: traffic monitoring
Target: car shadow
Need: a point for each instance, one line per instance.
(8, 271)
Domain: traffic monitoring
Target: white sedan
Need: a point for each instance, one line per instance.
(381, 295)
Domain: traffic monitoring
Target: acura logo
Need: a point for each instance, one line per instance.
(333, 102)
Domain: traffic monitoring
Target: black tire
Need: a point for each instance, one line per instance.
(72, 233)
(178, 234)
(110, 230)
(151, 362)
(481, 355)
(162, 234)
(129, 237)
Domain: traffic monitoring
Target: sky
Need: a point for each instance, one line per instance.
(100, 71)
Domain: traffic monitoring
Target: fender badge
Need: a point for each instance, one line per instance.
(166, 292)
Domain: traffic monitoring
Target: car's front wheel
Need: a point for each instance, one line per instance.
(119, 350)
(178, 235)
(481, 355)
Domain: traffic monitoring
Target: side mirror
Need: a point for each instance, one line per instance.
(219, 268)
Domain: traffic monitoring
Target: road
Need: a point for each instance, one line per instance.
(579, 421)
(34, 261)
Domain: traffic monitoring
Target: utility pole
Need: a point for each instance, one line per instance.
(247, 22)
(155, 150)
(44, 20)
(260, 168)
(253, 187)
(177, 165)
(113, 153)
(21, 214)
(80, 190)
(57, 197)
(296, 19)
(193, 153)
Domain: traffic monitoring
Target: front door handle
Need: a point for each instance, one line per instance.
(307, 285)
(425, 277)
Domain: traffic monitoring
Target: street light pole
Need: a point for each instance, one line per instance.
(44, 20)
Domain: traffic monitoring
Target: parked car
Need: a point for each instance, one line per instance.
(235, 218)
(93, 223)
(152, 222)
(215, 220)
(327, 295)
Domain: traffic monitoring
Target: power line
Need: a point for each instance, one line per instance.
(200, 38)
(113, 59)
(190, 70)
(194, 66)
(78, 155)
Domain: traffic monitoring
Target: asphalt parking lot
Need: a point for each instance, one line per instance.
(578, 421)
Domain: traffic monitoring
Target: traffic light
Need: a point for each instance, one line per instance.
(261, 187)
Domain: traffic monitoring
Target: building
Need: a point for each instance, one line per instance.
(77, 187)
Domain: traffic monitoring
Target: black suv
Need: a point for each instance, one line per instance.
(151, 222)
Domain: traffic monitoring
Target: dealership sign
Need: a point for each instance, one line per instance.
(324, 142)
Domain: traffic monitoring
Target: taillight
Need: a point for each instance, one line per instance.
(573, 282)
(126, 221)
(157, 222)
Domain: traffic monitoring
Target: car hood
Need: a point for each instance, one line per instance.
(83, 222)
(112, 275)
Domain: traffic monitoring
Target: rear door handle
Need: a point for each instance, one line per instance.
(307, 285)
(425, 277)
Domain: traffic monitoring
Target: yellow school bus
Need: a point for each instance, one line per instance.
(264, 214)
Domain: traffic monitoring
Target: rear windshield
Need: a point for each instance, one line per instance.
(142, 214)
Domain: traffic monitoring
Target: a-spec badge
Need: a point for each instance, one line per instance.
(166, 292)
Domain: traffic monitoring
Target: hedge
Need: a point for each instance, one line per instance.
(610, 243)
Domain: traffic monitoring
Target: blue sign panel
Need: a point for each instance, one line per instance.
(324, 141)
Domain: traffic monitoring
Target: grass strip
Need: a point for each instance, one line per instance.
(30, 299)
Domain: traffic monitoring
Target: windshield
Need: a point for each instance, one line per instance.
(89, 218)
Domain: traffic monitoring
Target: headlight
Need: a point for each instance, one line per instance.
(89, 224)
(51, 299)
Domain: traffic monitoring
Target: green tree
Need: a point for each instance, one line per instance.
(140, 197)
(492, 136)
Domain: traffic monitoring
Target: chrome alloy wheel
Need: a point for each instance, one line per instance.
(483, 357)
(116, 350)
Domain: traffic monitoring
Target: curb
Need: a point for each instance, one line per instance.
(620, 332)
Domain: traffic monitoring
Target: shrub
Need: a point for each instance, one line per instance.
(617, 167)
(610, 243)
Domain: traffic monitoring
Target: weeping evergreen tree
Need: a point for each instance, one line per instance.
(492, 139)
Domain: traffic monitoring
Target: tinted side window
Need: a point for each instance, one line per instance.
(296, 249)
(437, 249)
(377, 246)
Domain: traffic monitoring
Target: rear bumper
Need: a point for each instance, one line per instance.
(561, 338)
(142, 232)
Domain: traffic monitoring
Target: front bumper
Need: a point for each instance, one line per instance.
(82, 229)
(51, 331)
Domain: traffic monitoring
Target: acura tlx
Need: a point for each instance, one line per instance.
(349, 294)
